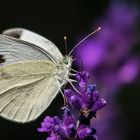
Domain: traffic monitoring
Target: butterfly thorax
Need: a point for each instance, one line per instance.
(64, 69)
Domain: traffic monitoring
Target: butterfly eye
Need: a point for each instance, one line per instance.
(66, 60)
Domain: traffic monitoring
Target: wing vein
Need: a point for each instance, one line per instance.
(8, 103)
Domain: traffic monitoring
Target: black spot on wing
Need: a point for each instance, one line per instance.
(13, 33)
(2, 60)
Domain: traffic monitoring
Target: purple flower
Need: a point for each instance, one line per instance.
(73, 100)
(87, 101)
(99, 104)
(96, 96)
(91, 88)
(68, 118)
(84, 133)
(46, 125)
(85, 105)
(82, 77)
(53, 137)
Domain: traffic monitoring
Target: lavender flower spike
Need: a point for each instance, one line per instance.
(86, 105)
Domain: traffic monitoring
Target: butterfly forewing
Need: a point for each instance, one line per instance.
(38, 40)
(13, 50)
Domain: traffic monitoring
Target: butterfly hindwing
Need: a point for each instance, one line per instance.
(27, 89)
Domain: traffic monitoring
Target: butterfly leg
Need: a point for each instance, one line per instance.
(70, 81)
(65, 101)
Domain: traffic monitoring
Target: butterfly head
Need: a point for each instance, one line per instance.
(67, 61)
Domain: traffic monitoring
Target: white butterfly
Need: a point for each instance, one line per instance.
(32, 72)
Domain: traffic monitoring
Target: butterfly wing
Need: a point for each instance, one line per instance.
(37, 40)
(27, 89)
(28, 84)
(13, 50)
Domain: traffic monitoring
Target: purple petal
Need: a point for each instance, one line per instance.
(68, 119)
(95, 96)
(87, 101)
(68, 93)
(84, 76)
(91, 88)
(46, 125)
(60, 130)
(57, 120)
(84, 133)
(99, 104)
(53, 137)
(71, 131)
(75, 102)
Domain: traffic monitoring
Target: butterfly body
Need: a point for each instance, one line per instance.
(30, 75)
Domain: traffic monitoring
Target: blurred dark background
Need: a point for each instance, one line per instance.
(74, 18)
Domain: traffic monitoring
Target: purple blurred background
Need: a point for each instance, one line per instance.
(110, 57)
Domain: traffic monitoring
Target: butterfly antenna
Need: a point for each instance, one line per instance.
(66, 45)
(81, 63)
(99, 28)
